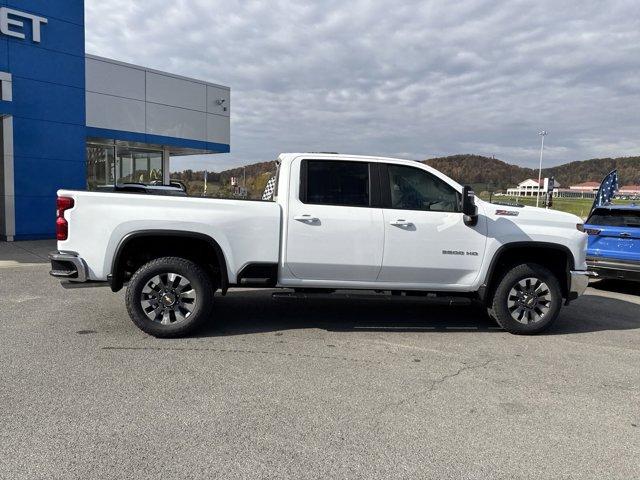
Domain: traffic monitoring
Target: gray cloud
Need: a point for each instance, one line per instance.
(403, 78)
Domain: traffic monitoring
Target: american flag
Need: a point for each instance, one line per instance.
(607, 190)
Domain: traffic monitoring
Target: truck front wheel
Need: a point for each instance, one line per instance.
(169, 297)
(526, 300)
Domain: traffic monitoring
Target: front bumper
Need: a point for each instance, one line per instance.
(68, 266)
(578, 282)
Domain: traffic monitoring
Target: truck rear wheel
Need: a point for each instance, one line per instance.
(169, 297)
(526, 300)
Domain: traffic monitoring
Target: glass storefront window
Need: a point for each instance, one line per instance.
(139, 165)
(100, 166)
(108, 165)
(124, 166)
(147, 166)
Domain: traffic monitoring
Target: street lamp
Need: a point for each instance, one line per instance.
(244, 181)
(542, 134)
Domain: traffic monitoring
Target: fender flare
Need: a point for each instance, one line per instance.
(115, 279)
(488, 279)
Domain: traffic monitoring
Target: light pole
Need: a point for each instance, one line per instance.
(244, 181)
(542, 134)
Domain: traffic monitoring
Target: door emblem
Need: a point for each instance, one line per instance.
(459, 252)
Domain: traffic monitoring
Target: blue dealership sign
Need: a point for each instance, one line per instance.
(42, 48)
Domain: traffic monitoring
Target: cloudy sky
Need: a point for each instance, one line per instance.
(414, 79)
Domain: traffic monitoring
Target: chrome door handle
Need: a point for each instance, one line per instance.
(401, 223)
(625, 235)
(306, 218)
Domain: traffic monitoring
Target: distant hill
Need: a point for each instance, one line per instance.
(255, 169)
(483, 173)
(219, 183)
(493, 174)
(595, 170)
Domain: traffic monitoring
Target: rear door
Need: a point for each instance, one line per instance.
(614, 233)
(334, 230)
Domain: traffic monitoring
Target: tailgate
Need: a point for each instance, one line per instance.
(614, 234)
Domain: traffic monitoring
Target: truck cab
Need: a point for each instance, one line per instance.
(376, 224)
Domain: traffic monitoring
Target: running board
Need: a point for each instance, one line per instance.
(431, 298)
(88, 284)
(261, 282)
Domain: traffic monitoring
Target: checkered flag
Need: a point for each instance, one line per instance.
(607, 190)
(269, 189)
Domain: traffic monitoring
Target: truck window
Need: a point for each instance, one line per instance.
(615, 218)
(328, 182)
(415, 189)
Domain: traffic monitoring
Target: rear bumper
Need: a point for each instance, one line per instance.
(71, 270)
(613, 268)
(579, 281)
(68, 266)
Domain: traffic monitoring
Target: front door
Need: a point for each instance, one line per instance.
(333, 232)
(427, 243)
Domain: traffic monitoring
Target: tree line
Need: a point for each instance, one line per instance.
(484, 173)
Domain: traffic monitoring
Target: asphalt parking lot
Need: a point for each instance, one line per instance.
(316, 388)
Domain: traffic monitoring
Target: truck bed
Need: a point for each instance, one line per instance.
(100, 220)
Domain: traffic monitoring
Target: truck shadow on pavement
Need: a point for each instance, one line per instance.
(617, 286)
(241, 313)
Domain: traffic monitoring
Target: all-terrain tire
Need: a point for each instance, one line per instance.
(156, 284)
(527, 299)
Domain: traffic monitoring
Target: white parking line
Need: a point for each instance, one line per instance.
(14, 264)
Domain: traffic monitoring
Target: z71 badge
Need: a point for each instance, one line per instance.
(507, 213)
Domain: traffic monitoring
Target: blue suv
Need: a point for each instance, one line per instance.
(614, 241)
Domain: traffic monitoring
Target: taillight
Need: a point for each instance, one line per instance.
(580, 227)
(62, 226)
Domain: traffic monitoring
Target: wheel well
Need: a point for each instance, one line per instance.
(556, 258)
(139, 248)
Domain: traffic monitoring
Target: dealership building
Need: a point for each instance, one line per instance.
(77, 121)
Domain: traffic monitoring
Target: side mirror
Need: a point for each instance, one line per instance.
(469, 209)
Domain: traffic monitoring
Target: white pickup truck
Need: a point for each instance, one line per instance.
(334, 222)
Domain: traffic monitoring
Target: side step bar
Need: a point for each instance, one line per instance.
(431, 298)
(87, 284)
(255, 282)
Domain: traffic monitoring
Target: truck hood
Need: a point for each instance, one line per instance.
(531, 216)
